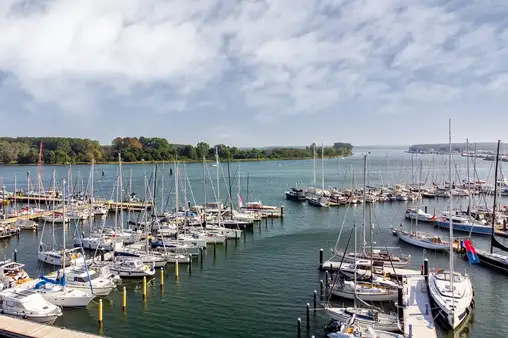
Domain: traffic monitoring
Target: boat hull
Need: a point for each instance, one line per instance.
(472, 228)
(343, 317)
(423, 244)
(489, 262)
(366, 296)
(49, 320)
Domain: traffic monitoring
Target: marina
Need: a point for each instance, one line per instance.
(251, 249)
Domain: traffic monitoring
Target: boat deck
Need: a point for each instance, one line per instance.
(334, 266)
(417, 312)
(12, 327)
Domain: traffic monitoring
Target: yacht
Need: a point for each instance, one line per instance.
(57, 218)
(25, 224)
(296, 194)
(464, 224)
(454, 304)
(12, 273)
(377, 256)
(364, 317)
(419, 215)
(27, 304)
(79, 277)
(146, 258)
(381, 292)
(53, 257)
(94, 241)
(57, 292)
(319, 202)
(423, 240)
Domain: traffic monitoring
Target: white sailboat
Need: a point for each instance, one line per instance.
(56, 290)
(364, 317)
(321, 200)
(81, 278)
(422, 239)
(451, 292)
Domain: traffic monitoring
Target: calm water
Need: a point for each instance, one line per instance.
(259, 287)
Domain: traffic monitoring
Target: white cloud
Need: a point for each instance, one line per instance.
(276, 58)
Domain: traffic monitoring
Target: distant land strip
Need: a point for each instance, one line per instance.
(456, 147)
(61, 150)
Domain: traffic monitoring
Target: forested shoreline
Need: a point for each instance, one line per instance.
(61, 150)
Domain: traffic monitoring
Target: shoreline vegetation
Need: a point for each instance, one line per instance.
(143, 150)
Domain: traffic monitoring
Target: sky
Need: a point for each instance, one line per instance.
(255, 72)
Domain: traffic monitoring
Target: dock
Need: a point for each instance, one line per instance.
(418, 319)
(13, 327)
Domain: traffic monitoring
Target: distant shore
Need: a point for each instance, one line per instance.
(170, 162)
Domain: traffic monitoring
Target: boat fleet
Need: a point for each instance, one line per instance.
(132, 247)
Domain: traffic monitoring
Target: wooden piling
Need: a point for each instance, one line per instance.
(176, 269)
(299, 328)
(190, 264)
(308, 316)
(321, 289)
(315, 301)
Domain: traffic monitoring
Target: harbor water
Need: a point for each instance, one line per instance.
(259, 285)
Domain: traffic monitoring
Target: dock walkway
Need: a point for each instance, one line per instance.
(417, 313)
(12, 327)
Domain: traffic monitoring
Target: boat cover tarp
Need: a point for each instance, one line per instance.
(45, 280)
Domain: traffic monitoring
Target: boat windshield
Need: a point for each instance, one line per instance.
(445, 275)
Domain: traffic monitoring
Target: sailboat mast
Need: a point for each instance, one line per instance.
(217, 166)
(495, 198)
(322, 168)
(230, 191)
(314, 170)
(451, 213)
(120, 177)
(468, 179)
(364, 201)
(63, 236)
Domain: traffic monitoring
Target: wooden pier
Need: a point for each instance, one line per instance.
(12, 327)
(418, 319)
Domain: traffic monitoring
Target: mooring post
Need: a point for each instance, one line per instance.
(15, 256)
(124, 299)
(176, 269)
(144, 288)
(400, 303)
(315, 301)
(190, 264)
(327, 278)
(321, 289)
(308, 316)
(320, 258)
(100, 313)
(162, 277)
(214, 249)
(426, 270)
(299, 328)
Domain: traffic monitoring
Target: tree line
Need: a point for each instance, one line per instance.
(61, 150)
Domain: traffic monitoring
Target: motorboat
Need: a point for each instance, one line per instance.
(419, 215)
(464, 224)
(28, 304)
(94, 241)
(12, 273)
(25, 224)
(296, 194)
(55, 217)
(321, 202)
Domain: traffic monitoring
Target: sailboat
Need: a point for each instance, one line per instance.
(320, 200)
(491, 259)
(376, 288)
(421, 239)
(56, 290)
(56, 257)
(451, 292)
(375, 255)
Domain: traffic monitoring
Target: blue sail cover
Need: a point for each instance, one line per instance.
(45, 280)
